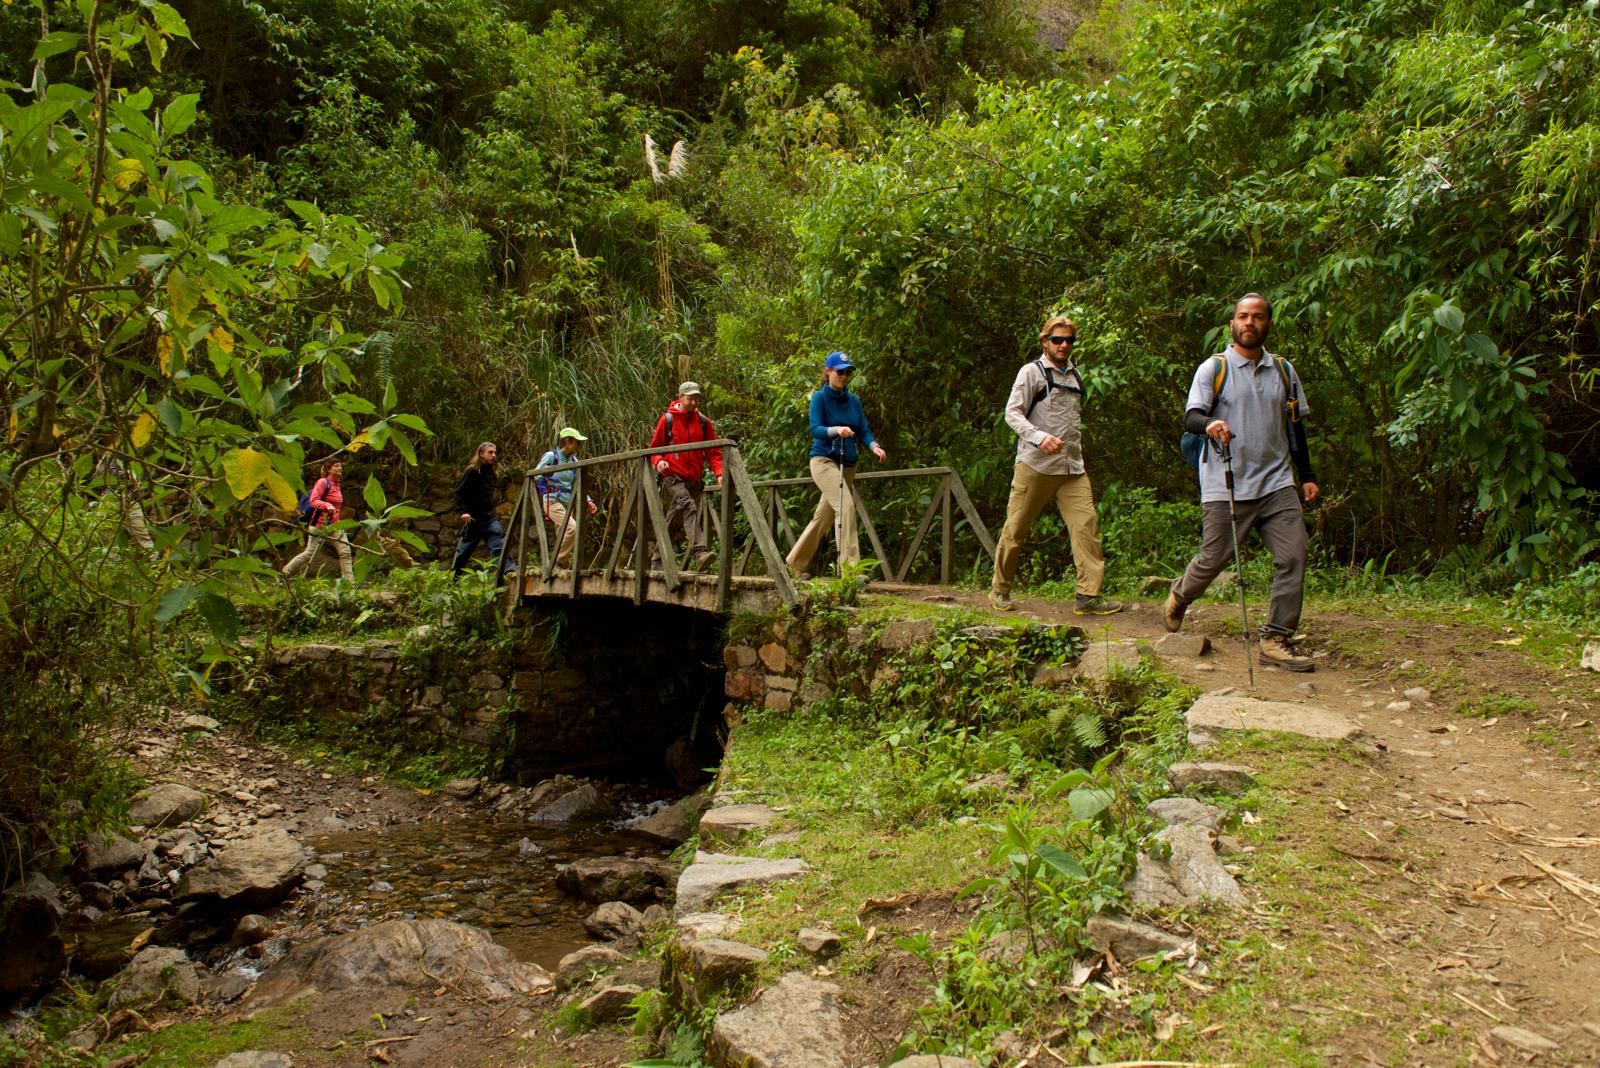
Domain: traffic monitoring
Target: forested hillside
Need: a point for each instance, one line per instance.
(241, 235)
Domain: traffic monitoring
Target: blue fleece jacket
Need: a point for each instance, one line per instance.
(838, 407)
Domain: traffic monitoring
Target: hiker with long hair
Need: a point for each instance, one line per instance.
(327, 506)
(475, 498)
(1045, 410)
(839, 430)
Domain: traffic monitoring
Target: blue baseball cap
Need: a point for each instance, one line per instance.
(839, 361)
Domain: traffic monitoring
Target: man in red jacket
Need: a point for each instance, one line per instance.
(683, 473)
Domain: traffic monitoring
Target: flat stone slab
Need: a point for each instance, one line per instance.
(1171, 810)
(797, 1021)
(166, 804)
(1227, 778)
(934, 1060)
(714, 874)
(1591, 657)
(725, 823)
(1213, 714)
(1130, 940)
(1190, 875)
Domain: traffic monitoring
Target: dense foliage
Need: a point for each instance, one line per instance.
(210, 213)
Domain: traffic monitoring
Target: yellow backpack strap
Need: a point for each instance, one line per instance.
(1291, 396)
(1220, 377)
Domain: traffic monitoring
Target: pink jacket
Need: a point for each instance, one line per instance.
(328, 499)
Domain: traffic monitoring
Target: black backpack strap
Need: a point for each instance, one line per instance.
(1050, 385)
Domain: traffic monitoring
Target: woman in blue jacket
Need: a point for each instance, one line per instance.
(838, 424)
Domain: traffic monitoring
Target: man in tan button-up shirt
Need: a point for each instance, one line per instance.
(1045, 409)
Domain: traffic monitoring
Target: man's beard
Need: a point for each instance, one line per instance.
(1260, 341)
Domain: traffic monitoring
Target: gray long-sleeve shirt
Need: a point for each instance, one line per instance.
(1059, 413)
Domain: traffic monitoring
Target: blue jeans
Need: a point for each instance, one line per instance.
(480, 531)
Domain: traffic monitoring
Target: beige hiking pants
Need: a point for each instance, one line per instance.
(1030, 492)
(836, 508)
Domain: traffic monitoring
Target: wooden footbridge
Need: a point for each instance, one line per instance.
(748, 520)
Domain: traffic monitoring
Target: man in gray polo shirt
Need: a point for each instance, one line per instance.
(1250, 414)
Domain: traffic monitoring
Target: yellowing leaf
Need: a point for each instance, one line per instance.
(128, 171)
(245, 469)
(143, 427)
(183, 294)
(359, 442)
(223, 339)
(164, 353)
(282, 493)
(12, 435)
(1509, 641)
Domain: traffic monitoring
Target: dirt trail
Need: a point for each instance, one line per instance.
(1481, 842)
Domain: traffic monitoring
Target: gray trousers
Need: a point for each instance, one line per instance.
(683, 509)
(1278, 519)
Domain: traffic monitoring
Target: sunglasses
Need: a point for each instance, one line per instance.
(845, 371)
(1062, 339)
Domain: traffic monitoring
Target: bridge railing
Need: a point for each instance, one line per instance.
(628, 536)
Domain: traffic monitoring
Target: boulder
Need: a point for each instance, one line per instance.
(105, 852)
(1215, 713)
(400, 953)
(251, 929)
(1151, 585)
(707, 924)
(904, 633)
(615, 921)
(934, 1060)
(197, 722)
(1186, 810)
(613, 879)
(610, 1003)
(578, 965)
(582, 805)
(155, 972)
(818, 942)
(1590, 661)
(696, 969)
(1128, 939)
(1102, 658)
(461, 789)
(725, 823)
(797, 1021)
(712, 875)
(1224, 778)
(1183, 644)
(32, 953)
(670, 826)
(254, 871)
(255, 1058)
(1192, 873)
(166, 804)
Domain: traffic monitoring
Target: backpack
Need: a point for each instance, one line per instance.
(1050, 386)
(1197, 446)
(302, 509)
(705, 430)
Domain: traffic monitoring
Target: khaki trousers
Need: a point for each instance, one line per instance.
(1030, 492)
(836, 508)
(566, 529)
(314, 544)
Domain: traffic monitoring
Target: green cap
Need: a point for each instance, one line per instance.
(570, 432)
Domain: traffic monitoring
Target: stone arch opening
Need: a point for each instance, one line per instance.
(607, 687)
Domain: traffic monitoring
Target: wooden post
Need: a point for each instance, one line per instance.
(971, 513)
(872, 531)
(947, 543)
(725, 542)
(733, 465)
(641, 574)
(622, 530)
(575, 512)
(922, 532)
(658, 522)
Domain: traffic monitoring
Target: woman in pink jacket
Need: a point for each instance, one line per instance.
(327, 501)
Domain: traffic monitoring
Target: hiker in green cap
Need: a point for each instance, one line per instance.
(476, 496)
(556, 492)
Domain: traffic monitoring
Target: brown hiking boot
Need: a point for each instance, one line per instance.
(704, 559)
(1278, 651)
(1172, 613)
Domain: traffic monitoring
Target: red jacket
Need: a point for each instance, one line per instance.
(686, 428)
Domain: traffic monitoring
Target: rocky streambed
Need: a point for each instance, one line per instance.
(247, 879)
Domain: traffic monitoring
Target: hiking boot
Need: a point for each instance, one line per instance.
(1278, 651)
(1096, 606)
(704, 559)
(1172, 612)
(1001, 602)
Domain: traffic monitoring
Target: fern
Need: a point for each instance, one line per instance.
(1089, 731)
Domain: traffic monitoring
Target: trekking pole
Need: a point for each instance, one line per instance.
(1238, 566)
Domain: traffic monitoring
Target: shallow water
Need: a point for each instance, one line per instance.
(496, 875)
